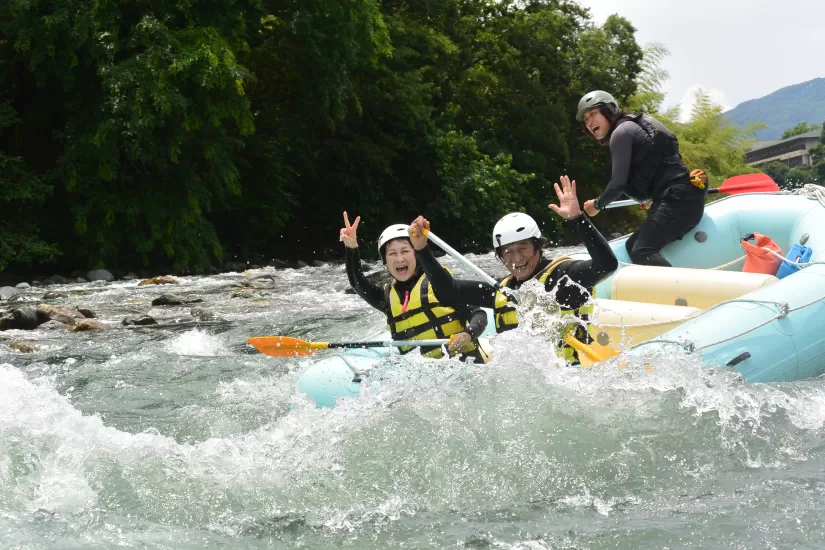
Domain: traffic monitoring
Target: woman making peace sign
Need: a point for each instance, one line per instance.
(409, 302)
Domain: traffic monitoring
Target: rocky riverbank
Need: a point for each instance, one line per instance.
(61, 307)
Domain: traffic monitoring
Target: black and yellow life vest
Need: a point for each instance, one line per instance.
(507, 319)
(424, 318)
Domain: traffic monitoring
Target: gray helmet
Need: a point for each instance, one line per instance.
(594, 99)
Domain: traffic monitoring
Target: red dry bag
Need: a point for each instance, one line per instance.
(758, 258)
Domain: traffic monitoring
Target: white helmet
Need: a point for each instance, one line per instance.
(397, 231)
(514, 227)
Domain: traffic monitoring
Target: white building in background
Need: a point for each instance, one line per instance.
(793, 151)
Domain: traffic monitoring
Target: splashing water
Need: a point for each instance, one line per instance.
(170, 438)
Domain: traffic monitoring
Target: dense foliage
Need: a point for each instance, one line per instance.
(187, 133)
(190, 133)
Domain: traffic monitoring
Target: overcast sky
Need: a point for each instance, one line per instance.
(734, 49)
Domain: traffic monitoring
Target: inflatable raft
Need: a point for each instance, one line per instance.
(768, 328)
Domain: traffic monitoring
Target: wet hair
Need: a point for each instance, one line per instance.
(538, 244)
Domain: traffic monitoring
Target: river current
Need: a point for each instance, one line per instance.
(183, 436)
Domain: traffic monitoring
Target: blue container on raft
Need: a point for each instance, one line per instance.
(798, 254)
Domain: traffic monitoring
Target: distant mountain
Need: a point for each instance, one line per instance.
(783, 109)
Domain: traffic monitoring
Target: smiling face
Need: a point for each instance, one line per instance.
(520, 258)
(596, 123)
(400, 257)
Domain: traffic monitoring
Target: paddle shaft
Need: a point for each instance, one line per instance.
(630, 202)
(468, 264)
(387, 343)
(464, 261)
(746, 183)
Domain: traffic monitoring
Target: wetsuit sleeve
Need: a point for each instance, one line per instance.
(621, 151)
(454, 292)
(477, 324)
(369, 291)
(602, 262)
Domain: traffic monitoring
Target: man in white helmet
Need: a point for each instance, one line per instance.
(518, 244)
(413, 310)
(647, 167)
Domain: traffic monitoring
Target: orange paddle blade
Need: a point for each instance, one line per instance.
(749, 183)
(285, 346)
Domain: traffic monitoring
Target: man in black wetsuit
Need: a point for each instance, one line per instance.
(518, 244)
(647, 167)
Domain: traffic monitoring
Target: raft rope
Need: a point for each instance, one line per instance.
(810, 190)
(784, 310)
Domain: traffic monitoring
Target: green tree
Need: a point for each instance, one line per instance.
(818, 158)
(787, 177)
(799, 129)
(711, 142)
(21, 192)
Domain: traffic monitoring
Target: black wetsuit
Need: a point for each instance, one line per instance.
(641, 172)
(376, 296)
(569, 277)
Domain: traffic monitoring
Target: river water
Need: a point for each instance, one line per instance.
(185, 437)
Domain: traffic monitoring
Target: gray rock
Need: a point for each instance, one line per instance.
(25, 318)
(23, 347)
(36, 283)
(53, 325)
(173, 300)
(130, 277)
(53, 313)
(299, 264)
(318, 263)
(100, 275)
(87, 313)
(365, 267)
(23, 286)
(88, 324)
(144, 320)
(81, 280)
(76, 274)
(380, 277)
(54, 295)
(6, 292)
(202, 314)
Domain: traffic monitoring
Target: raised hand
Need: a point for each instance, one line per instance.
(568, 208)
(418, 232)
(347, 235)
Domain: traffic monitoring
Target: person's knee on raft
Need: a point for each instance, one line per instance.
(644, 255)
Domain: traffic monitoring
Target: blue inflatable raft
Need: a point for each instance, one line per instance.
(769, 329)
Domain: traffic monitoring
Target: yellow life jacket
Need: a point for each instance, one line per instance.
(423, 319)
(506, 317)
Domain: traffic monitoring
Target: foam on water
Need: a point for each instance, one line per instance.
(187, 439)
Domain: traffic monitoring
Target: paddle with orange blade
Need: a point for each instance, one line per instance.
(737, 185)
(285, 346)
